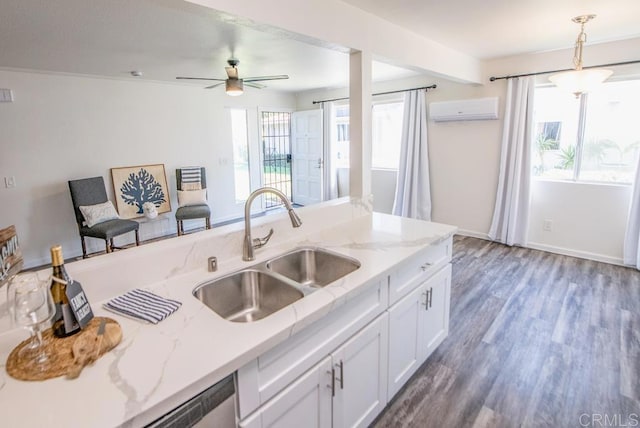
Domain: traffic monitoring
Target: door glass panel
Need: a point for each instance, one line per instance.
(240, 139)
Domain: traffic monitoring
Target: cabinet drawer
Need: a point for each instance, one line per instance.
(418, 268)
(265, 376)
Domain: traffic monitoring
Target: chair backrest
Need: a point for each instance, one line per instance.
(203, 178)
(87, 191)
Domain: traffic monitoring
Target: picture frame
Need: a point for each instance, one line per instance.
(133, 186)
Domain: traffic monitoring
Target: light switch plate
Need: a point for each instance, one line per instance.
(6, 96)
(10, 182)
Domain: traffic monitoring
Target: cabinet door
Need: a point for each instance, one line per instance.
(435, 323)
(405, 350)
(360, 368)
(304, 403)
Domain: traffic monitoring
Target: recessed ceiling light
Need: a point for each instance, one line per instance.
(136, 73)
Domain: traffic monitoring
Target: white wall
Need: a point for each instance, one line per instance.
(463, 156)
(63, 127)
(588, 219)
(383, 188)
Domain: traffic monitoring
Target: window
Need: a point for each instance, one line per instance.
(340, 149)
(240, 140)
(595, 138)
(386, 135)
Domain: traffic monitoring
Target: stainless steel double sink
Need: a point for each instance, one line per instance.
(262, 289)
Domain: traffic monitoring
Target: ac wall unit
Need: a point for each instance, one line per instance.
(474, 109)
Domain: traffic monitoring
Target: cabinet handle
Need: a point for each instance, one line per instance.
(426, 299)
(332, 372)
(430, 296)
(425, 266)
(341, 375)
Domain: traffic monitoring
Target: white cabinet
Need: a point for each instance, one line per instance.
(346, 389)
(304, 403)
(341, 370)
(360, 376)
(264, 377)
(418, 323)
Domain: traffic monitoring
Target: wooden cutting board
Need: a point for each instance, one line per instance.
(60, 351)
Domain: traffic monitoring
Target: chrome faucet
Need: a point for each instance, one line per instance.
(249, 243)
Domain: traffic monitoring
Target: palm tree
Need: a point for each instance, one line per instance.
(567, 157)
(542, 145)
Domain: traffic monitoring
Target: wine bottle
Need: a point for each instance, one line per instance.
(64, 321)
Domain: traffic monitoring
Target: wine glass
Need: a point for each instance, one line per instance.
(32, 307)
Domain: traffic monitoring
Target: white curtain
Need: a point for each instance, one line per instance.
(631, 256)
(330, 177)
(511, 212)
(413, 193)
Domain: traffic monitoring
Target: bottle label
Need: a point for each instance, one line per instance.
(79, 304)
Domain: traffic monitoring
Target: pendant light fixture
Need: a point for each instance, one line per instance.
(579, 81)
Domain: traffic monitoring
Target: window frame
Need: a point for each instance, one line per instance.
(579, 140)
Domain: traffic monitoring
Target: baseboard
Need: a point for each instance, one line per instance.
(473, 234)
(576, 253)
(553, 249)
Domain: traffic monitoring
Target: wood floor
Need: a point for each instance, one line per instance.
(535, 340)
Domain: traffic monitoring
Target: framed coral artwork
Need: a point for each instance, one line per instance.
(134, 186)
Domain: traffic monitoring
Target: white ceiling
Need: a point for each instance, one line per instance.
(163, 39)
(497, 28)
(169, 38)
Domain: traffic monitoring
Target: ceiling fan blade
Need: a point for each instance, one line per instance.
(214, 86)
(199, 78)
(260, 78)
(254, 85)
(232, 72)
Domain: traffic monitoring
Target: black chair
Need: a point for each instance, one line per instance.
(192, 212)
(91, 191)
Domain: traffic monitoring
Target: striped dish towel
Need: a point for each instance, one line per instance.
(144, 305)
(191, 178)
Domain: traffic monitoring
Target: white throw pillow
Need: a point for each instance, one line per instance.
(99, 213)
(192, 197)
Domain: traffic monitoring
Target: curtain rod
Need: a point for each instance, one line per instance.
(613, 64)
(379, 93)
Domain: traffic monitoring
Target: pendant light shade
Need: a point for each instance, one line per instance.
(234, 87)
(580, 81)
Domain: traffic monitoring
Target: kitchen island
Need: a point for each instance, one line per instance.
(157, 367)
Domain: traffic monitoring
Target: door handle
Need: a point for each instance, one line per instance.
(320, 163)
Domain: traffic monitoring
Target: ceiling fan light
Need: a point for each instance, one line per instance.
(580, 81)
(234, 87)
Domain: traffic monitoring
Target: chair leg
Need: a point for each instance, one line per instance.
(179, 227)
(84, 248)
(108, 244)
(208, 222)
(137, 238)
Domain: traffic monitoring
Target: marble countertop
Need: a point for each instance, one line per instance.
(157, 367)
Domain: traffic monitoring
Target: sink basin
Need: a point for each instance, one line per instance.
(246, 296)
(313, 267)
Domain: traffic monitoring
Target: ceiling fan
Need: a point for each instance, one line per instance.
(233, 84)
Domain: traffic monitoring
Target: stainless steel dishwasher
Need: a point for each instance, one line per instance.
(215, 407)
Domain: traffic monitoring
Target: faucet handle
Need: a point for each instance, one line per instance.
(261, 242)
